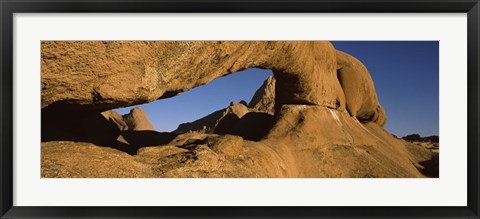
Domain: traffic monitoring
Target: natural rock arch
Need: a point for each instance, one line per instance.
(328, 119)
(99, 75)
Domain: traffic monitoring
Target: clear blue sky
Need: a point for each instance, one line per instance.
(405, 76)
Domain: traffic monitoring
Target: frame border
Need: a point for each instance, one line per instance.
(9, 7)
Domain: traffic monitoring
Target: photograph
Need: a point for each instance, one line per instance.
(239, 109)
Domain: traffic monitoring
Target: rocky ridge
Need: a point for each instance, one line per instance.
(208, 123)
(135, 120)
(264, 98)
(263, 101)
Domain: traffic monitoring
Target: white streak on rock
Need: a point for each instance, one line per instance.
(335, 116)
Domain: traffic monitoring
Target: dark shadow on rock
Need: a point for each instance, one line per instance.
(83, 126)
(226, 124)
(122, 146)
(141, 139)
(431, 167)
(252, 126)
(93, 127)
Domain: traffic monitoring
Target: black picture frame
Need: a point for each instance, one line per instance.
(9, 7)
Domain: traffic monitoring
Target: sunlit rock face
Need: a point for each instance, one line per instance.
(207, 124)
(135, 120)
(325, 121)
(357, 85)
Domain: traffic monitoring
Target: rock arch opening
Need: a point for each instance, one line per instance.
(241, 104)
